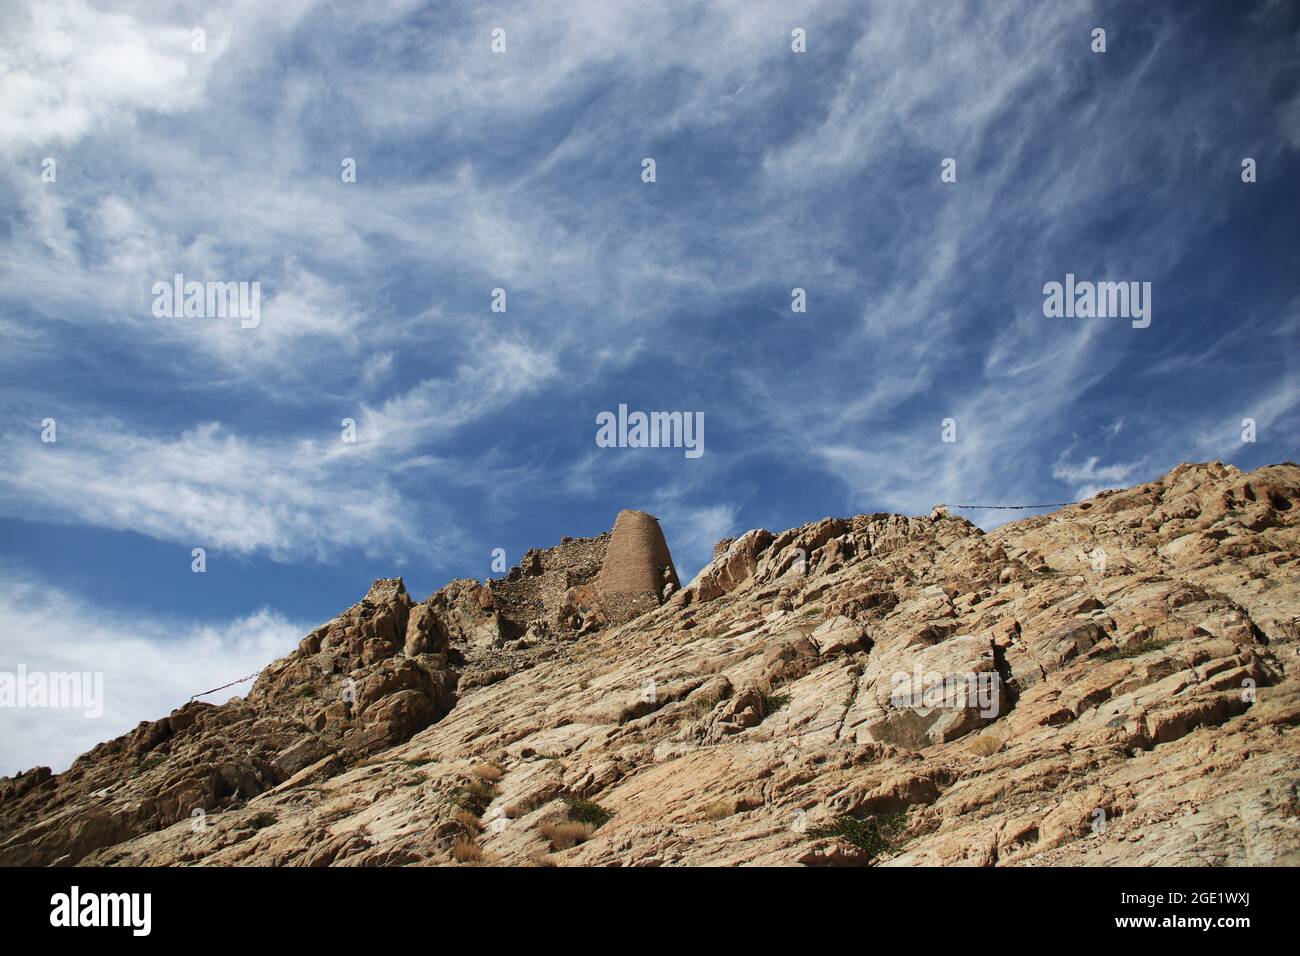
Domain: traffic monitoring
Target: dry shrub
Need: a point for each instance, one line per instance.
(718, 810)
(985, 745)
(703, 705)
(467, 820)
(488, 772)
(538, 858)
(465, 850)
(566, 835)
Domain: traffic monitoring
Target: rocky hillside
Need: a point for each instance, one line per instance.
(1113, 683)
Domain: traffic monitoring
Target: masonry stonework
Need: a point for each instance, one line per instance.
(637, 566)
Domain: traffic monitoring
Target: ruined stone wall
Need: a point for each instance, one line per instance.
(540, 587)
(575, 588)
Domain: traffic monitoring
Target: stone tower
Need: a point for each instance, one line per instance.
(637, 566)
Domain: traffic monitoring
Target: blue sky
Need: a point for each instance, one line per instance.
(522, 170)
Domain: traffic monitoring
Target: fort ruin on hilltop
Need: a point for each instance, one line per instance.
(584, 584)
(638, 569)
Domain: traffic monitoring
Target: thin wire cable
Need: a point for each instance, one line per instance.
(1055, 504)
(224, 686)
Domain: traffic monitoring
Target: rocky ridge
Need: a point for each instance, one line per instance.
(1139, 652)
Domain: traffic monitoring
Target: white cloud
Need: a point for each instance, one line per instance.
(209, 488)
(1090, 477)
(1269, 406)
(500, 370)
(67, 68)
(343, 326)
(692, 531)
(150, 666)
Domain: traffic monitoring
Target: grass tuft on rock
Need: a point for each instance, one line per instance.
(473, 796)
(564, 836)
(1136, 649)
(465, 850)
(719, 810)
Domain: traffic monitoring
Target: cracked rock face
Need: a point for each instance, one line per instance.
(1114, 683)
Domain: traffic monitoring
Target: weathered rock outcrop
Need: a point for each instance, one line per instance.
(343, 695)
(1113, 683)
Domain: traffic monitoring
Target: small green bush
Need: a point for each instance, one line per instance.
(872, 835)
(774, 702)
(473, 796)
(587, 811)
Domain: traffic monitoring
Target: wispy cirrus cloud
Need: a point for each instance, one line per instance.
(1090, 476)
(208, 487)
(521, 171)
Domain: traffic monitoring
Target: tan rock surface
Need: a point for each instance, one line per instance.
(1142, 647)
